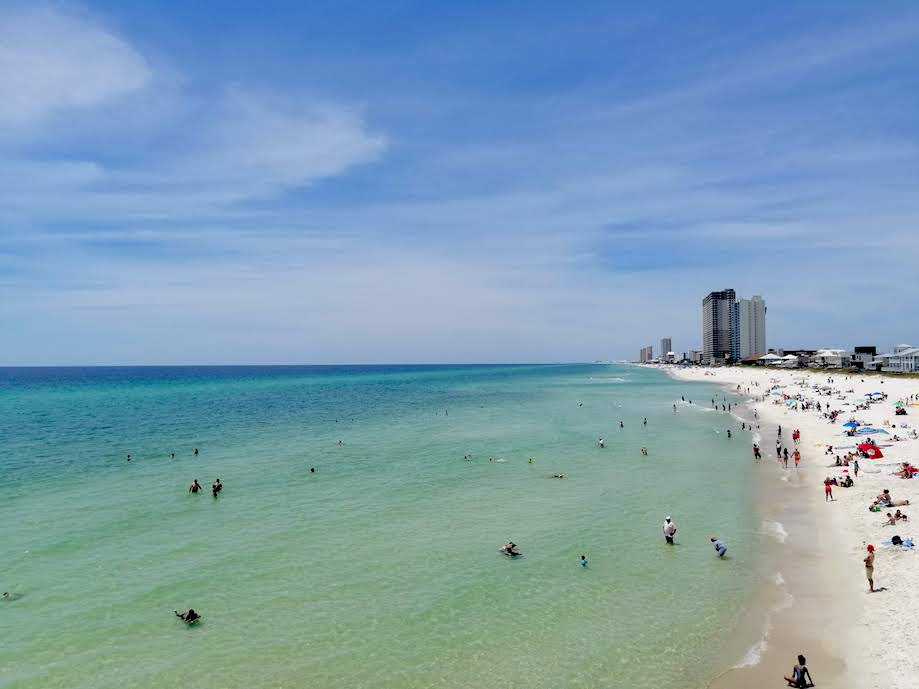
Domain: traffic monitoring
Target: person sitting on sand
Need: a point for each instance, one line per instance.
(194, 487)
(800, 675)
(847, 482)
(891, 520)
(189, 616)
(899, 516)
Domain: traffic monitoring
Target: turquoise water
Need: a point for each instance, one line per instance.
(381, 569)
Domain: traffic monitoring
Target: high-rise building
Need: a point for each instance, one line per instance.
(719, 330)
(666, 347)
(751, 326)
(646, 354)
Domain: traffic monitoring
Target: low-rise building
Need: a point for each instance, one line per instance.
(903, 359)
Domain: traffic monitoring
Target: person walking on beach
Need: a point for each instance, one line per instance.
(756, 454)
(855, 467)
(785, 458)
(800, 675)
(780, 431)
(869, 568)
(669, 529)
(194, 487)
(797, 457)
(828, 489)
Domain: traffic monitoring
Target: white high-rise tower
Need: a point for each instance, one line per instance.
(751, 323)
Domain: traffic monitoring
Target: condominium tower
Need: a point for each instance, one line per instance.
(666, 347)
(751, 324)
(646, 354)
(720, 336)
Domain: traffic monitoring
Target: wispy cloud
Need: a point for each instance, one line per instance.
(404, 216)
(51, 62)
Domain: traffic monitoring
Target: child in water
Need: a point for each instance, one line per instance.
(583, 561)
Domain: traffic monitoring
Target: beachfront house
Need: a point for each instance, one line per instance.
(862, 357)
(903, 359)
(831, 358)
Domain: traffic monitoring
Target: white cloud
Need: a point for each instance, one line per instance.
(51, 62)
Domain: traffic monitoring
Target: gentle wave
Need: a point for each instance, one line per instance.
(775, 529)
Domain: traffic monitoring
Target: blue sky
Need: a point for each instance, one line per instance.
(312, 182)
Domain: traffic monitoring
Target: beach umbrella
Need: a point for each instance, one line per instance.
(851, 424)
(873, 451)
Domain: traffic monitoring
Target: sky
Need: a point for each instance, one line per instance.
(425, 182)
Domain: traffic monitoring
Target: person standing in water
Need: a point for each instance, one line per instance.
(583, 561)
(720, 547)
(194, 487)
(669, 529)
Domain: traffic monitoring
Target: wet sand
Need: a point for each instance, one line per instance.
(809, 601)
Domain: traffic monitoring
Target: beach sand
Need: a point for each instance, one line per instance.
(820, 605)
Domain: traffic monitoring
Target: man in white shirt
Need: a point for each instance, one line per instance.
(669, 530)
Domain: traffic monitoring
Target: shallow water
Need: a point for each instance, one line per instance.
(380, 570)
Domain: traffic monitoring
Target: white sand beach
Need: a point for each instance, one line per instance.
(852, 638)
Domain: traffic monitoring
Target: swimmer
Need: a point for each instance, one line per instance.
(340, 442)
(644, 451)
(645, 422)
(621, 425)
(219, 485)
(531, 460)
(312, 470)
(188, 617)
(557, 476)
(509, 549)
(173, 456)
(583, 561)
(729, 433)
(196, 450)
(720, 547)
(129, 458)
(194, 487)
(214, 490)
(600, 442)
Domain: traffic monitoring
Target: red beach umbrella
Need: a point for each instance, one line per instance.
(873, 451)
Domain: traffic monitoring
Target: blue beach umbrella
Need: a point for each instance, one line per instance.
(850, 424)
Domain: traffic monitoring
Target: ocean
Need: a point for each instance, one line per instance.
(380, 570)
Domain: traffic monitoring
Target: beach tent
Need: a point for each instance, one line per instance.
(873, 451)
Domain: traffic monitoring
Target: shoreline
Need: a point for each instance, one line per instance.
(826, 612)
